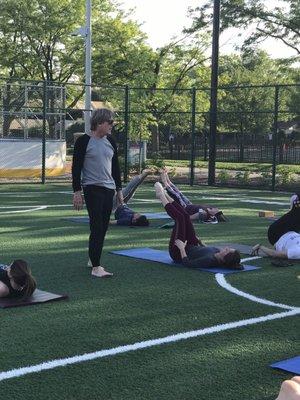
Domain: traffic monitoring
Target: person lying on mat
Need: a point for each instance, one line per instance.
(197, 212)
(284, 235)
(290, 389)
(16, 280)
(125, 215)
(184, 245)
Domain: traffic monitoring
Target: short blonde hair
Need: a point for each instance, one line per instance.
(101, 115)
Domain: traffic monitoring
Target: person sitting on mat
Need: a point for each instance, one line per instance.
(16, 280)
(284, 235)
(184, 245)
(125, 215)
(197, 212)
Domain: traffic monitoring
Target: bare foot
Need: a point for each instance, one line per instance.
(148, 171)
(99, 272)
(159, 190)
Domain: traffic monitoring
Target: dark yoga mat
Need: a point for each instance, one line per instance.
(38, 297)
(290, 365)
(146, 253)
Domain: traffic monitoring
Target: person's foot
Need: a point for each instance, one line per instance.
(159, 190)
(89, 264)
(148, 171)
(99, 272)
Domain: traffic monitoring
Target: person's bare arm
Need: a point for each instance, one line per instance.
(4, 291)
(269, 252)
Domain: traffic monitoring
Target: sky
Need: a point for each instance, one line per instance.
(162, 19)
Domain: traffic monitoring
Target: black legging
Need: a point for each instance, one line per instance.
(288, 222)
(98, 202)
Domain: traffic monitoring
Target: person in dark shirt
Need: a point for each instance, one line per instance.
(185, 247)
(197, 212)
(96, 172)
(284, 234)
(16, 280)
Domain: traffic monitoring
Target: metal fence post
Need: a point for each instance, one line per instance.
(214, 94)
(275, 129)
(126, 131)
(192, 166)
(44, 132)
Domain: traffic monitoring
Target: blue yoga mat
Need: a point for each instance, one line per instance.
(290, 365)
(86, 220)
(145, 253)
(79, 220)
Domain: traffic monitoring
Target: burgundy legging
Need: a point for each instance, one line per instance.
(183, 229)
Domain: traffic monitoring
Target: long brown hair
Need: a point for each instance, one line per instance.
(21, 274)
(232, 260)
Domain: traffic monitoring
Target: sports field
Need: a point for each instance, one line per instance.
(152, 331)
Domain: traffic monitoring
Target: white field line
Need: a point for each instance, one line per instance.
(224, 284)
(24, 211)
(14, 373)
(252, 201)
(29, 194)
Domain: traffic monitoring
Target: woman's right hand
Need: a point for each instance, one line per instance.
(180, 244)
(77, 200)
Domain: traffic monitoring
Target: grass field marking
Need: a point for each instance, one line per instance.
(220, 278)
(251, 201)
(47, 365)
(37, 208)
(29, 194)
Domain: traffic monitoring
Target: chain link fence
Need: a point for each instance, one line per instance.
(257, 139)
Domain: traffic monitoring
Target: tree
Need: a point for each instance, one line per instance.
(281, 22)
(36, 44)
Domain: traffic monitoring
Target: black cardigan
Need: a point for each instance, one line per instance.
(78, 160)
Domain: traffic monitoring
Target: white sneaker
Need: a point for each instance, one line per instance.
(89, 264)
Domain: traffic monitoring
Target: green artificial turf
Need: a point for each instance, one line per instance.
(143, 301)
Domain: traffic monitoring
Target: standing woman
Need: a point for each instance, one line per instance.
(96, 170)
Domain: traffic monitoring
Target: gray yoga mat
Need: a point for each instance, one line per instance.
(38, 297)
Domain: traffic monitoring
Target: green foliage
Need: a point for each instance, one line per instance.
(285, 178)
(266, 178)
(280, 22)
(243, 178)
(223, 176)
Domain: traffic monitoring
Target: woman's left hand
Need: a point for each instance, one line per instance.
(180, 244)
